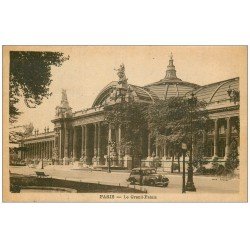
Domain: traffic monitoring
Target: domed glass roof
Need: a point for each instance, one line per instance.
(171, 85)
(216, 92)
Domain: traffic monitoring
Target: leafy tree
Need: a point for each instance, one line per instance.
(199, 152)
(30, 78)
(232, 161)
(130, 116)
(20, 132)
(175, 120)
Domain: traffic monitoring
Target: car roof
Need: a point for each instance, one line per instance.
(143, 169)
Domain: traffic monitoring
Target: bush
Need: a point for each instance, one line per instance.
(175, 166)
(232, 161)
(156, 163)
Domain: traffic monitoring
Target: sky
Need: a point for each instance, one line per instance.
(91, 68)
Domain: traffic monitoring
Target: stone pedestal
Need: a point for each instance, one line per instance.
(106, 160)
(127, 161)
(114, 161)
(65, 161)
(98, 161)
(149, 161)
(166, 164)
(95, 162)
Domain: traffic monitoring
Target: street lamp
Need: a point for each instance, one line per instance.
(190, 183)
(109, 145)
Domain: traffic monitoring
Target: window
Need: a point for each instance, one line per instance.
(209, 148)
(221, 147)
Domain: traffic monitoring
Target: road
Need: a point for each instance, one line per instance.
(204, 184)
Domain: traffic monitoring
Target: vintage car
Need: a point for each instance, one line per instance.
(147, 176)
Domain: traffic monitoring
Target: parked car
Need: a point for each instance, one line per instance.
(147, 176)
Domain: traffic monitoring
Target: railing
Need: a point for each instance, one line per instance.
(88, 111)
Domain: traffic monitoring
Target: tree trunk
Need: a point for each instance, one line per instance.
(172, 165)
(179, 165)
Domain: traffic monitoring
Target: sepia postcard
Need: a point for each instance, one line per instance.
(125, 124)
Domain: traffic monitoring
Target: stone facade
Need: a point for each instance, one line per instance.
(83, 137)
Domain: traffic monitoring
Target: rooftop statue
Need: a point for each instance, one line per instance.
(121, 75)
(64, 100)
(64, 109)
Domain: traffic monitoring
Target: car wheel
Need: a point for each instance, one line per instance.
(152, 183)
(132, 181)
(166, 184)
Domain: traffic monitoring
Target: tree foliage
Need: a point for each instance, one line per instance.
(232, 161)
(174, 120)
(132, 119)
(23, 131)
(30, 78)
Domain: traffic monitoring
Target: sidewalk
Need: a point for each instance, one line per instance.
(204, 184)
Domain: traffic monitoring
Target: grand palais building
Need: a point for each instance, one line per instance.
(82, 136)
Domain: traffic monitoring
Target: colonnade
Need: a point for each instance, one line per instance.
(222, 131)
(89, 142)
(38, 150)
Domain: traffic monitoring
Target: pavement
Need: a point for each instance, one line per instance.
(203, 184)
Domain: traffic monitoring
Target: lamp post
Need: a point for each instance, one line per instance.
(190, 183)
(109, 169)
(42, 157)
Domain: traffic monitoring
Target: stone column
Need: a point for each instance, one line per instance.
(40, 150)
(66, 145)
(55, 154)
(48, 149)
(149, 158)
(108, 147)
(166, 165)
(95, 140)
(109, 139)
(45, 149)
(51, 149)
(86, 142)
(99, 154)
(60, 144)
(228, 136)
(149, 145)
(156, 147)
(28, 151)
(95, 146)
(49, 146)
(35, 150)
(75, 144)
(66, 141)
(216, 137)
(83, 141)
(119, 138)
